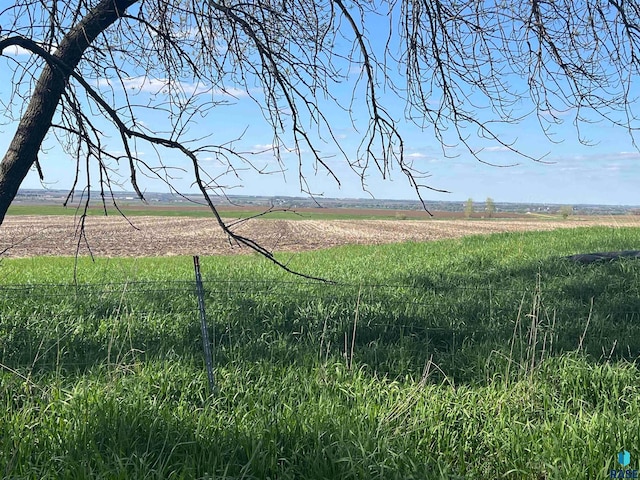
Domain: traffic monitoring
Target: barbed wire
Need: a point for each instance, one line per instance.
(267, 285)
(419, 311)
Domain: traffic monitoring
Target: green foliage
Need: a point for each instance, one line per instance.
(469, 208)
(489, 207)
(476, 358)
(566, 211)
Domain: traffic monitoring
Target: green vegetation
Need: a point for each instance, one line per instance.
(191, 211)
(469, 208)
(485, 357)
(565, 211)
(489, 207)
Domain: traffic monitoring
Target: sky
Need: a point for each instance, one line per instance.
(606, 172)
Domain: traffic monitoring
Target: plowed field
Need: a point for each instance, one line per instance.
(25, 236)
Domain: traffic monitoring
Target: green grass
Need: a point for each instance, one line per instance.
(105, 378)
(190, 211)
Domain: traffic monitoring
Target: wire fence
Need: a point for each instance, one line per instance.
(468, 330)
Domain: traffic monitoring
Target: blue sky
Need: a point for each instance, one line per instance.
(605, 173)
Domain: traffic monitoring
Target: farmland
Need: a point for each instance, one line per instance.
(114, 236)
(486, 356)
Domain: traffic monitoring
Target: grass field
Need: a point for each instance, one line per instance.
(229, 212)
(484, 357)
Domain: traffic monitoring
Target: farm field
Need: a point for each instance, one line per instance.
(480, 357)
(113, 236)
(230, 211)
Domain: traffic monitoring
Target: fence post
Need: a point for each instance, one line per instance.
(206, 345)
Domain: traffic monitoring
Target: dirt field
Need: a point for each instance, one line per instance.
(25, 236)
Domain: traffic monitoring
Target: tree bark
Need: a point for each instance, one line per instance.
(36, 120)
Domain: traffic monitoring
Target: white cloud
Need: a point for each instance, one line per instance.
(416, 155)
(574, 168)
(628, 155)
(160, 85)
(262, 147)
(230, 92)
(590, 158)
(16, 51)
(164, 86)
(271, 152)
(496, 148)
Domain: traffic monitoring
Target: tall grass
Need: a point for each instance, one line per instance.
(486, 357)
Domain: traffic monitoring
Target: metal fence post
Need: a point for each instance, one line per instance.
(206, 345)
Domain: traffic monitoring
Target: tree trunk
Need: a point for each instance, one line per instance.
(37, 118)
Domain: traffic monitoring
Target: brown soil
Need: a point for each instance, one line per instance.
(27, 236)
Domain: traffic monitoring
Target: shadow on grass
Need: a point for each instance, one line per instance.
(477, 308)
(569, 306)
